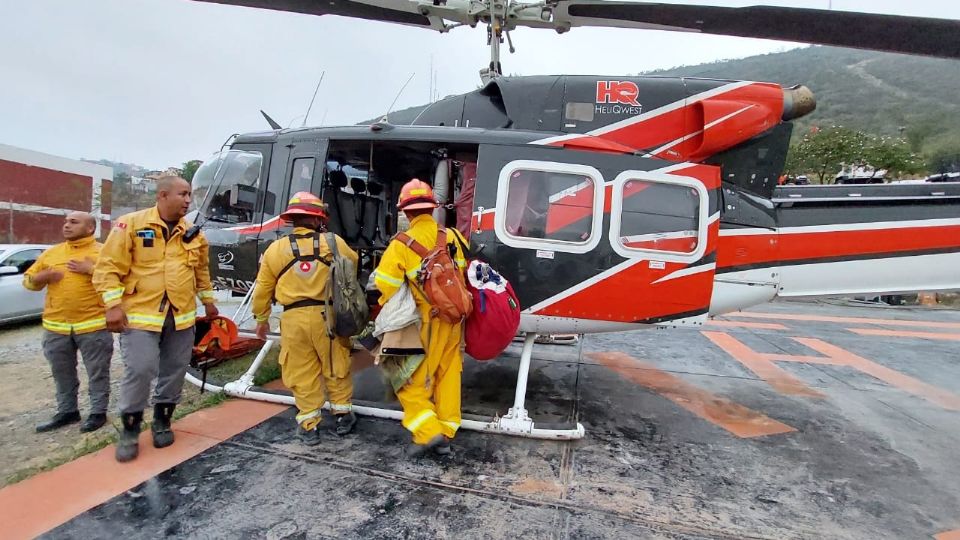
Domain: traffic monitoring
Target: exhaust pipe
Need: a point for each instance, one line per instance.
(798, 101)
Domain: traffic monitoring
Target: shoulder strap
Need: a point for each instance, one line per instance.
(297, 257)
(332, 244)
(462, 247)
(441, 238)
(417, 247)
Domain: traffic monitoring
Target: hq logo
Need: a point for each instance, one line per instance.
(618, 92)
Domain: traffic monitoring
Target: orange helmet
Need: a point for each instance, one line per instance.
(306, 204)
(416, 194)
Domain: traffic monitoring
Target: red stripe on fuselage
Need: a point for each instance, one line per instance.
(774, 249)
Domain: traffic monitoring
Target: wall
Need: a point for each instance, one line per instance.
(37, 190)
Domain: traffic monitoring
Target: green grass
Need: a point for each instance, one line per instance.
(192, 402)
(231, 370)
(86, 446)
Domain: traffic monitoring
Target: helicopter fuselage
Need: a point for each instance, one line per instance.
(660, 208)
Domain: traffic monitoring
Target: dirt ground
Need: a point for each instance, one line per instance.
(27, 398)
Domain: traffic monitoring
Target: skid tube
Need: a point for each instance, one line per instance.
(516, 422)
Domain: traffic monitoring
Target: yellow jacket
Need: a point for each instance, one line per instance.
(303, 281)
(148, 275)
(72, 304)
(401, 262)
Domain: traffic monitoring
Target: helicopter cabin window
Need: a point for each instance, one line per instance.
(663, 218)
(301, 175)
(227, 186)
(549, 205)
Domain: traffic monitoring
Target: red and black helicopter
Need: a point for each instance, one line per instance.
(610, 203)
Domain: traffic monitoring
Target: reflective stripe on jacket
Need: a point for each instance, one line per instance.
(72, 304)
(148, 275)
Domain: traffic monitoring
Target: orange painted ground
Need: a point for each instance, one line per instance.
(41, 503)
(737, 419)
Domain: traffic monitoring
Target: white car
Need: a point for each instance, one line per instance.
(17, 303)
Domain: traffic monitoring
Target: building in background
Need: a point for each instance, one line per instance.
(37, 190)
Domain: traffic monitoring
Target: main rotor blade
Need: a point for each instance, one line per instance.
(393, 11)
(890, 33)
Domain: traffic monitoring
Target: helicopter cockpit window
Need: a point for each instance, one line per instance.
(557, 207)
(659, 218)
(228, 185)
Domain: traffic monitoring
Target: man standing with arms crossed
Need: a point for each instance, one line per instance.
(73, 320)
(149, 273)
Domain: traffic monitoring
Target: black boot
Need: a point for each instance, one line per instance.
(309, 437)
(127, 446)
(162, 434)
(345, 423)
(58, 421)
(417, 450)
(443, 449)
(93, 422)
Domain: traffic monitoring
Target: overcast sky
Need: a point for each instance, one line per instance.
(158, 82)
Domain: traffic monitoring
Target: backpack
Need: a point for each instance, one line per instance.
(347, 297)
(496, 312)
(440, 279)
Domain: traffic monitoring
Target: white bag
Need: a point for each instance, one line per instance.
(399, 312)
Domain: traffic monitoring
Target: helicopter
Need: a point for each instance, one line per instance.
(610, 203)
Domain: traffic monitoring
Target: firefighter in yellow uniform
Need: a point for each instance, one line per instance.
(73, 320)
(431, 399)
(294, 272)
(151, 271)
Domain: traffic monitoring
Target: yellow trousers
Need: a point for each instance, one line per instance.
(305, 358)
(431, 400)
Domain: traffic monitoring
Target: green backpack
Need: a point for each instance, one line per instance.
(347, 297)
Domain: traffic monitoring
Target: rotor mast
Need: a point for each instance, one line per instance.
(500, 16)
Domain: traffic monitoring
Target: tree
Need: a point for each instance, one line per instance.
(894, 155)
(121, 185)
(827, 151)
(190, 168)
(824, 152)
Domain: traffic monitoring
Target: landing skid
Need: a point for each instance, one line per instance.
(516, 422)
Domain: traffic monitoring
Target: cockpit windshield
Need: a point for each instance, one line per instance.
(226, 187)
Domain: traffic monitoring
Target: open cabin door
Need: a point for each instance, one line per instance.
(592, 241)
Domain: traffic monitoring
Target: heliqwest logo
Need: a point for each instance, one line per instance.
(623, 92)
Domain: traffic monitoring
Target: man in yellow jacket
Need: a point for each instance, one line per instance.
(151, 269)
(431, 399)
(73, 320)
(294, 271)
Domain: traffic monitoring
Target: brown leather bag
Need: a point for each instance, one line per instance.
(440, 280)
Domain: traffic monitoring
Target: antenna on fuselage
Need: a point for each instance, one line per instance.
(307, 115)
(386, 117)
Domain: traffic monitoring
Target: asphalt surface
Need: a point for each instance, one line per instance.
(797, 428)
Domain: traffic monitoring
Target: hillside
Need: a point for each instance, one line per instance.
(874, 92)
